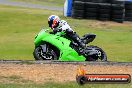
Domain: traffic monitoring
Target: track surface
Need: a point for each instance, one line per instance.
(45, 71)
(66, 62)
(28, 5)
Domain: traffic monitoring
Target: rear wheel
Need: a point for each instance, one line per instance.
(45, 52)
(100, 57)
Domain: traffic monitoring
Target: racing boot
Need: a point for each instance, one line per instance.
(82, 46)
(77, 39)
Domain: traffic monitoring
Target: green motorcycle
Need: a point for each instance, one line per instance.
(57, 47)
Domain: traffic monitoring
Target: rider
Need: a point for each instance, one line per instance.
(58, 25)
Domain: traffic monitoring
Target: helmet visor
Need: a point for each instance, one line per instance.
(50, 23)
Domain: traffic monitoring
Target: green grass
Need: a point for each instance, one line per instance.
(65, 85)
(58, 3)
(18, 26)
(14, 79)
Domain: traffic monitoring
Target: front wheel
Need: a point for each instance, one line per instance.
(101, 56)
(45, 52)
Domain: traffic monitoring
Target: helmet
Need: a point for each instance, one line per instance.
(53, 21)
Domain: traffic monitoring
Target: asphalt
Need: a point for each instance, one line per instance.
(67, 62)
(28, 5)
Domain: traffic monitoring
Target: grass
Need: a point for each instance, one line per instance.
(18, 26)
(18, 82)
(58, 3)
(65, 85)
(13, 79)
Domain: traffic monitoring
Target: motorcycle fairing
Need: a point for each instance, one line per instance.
(66, 52)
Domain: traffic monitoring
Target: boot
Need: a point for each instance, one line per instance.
(81, 44)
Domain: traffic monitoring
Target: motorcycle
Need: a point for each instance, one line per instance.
(50, 46)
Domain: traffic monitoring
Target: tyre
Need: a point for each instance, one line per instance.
(128, 18)
(104, 15)
(128, 11)
(104, 6)
(108, 1)
(45, 52)
(117, 2)
(92, 10)
(91, 17)
(102, 55)
(78, 5)
(117, 7)
(118, 16)
(128, 7)
(78, 16)
(91, 14)
(78, 0)
(98, 1)
(104, 11)
(128, 2)
(128, 14)
(77, 13)
(103, 19)
(118, 20)
(87, 0)
(91, 5)
(118, 12)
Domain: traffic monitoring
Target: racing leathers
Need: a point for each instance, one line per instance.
(63, 26)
